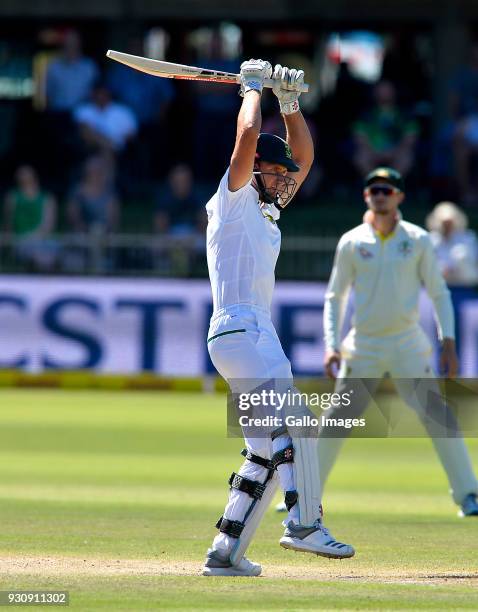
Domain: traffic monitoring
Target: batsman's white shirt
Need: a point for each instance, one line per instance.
(243, 244)
(242, 249)
(386, 274)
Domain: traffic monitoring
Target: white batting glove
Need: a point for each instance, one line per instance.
(253, 73)
(287, 83)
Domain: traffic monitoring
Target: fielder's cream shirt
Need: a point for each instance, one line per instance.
(386, 274)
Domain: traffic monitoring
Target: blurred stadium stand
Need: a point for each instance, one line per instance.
(344, 48)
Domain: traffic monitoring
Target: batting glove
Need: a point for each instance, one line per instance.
(253, 73)
(287, 84)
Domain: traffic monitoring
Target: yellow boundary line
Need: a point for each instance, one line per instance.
(153, 382)
(94, 380)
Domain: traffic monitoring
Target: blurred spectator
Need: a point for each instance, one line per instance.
(178, 209)
(465, 149)
(105, 126)
(217, 107)
(93, 204)
(149, 98)
(338, 112)
(30, 217)
(179, 214)
(405, 65)
(69, 81)
(70, 77)
(463, 94)
(384, 136)
(463, 105)
(455, 246)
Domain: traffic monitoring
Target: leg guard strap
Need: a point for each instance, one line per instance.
(280, 431)
(290, 499)
(286, 455)
(230, 528)
(256, 459)
(253, 488)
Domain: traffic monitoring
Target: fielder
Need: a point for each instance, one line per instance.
(387, 260)
(243, 242)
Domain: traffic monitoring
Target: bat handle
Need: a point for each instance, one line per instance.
(269, 83)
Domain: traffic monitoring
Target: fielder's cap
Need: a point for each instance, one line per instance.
(275, 150)
(389, 175)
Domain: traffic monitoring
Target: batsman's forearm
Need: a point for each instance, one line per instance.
(248, 129)
(299, 139)
(250, 116)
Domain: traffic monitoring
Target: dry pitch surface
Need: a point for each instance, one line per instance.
(61, 567)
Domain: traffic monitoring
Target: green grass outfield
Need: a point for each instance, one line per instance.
(113, 496)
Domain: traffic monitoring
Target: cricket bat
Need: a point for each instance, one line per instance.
(170, 70)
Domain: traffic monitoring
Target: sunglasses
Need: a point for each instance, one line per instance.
(386, 190)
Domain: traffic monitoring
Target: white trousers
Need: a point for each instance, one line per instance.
(246, 351)
(405, 358)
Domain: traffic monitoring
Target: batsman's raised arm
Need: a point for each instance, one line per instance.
(253, 73)
(287, 88)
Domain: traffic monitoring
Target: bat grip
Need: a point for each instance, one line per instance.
(303, 89)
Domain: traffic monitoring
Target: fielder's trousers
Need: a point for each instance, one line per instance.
(405, 358)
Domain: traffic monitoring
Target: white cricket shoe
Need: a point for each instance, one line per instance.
(217, 565)
(317, 540)
(281, 507)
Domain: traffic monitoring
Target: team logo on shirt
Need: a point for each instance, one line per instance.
(405, 247)
(365, 253)
(269, 217)
(264, 210)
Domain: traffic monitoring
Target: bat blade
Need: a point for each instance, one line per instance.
(170, 70)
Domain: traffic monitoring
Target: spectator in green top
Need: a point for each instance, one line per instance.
(384, 136)
(30, 217)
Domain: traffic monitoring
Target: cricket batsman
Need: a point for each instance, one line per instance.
(243, 243)
(387, 260)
